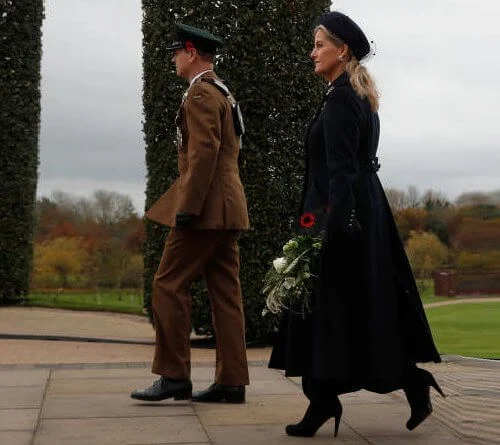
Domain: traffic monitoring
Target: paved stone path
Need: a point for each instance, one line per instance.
(89, 404)
(463, 300)
(57, 393)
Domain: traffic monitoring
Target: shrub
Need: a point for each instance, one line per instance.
(20, 56)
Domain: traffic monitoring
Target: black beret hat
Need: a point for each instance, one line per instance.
(199, 38)
(347, 30)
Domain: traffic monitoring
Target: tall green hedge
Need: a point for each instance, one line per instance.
(266, 64)
(20, 56)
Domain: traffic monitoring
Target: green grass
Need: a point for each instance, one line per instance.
(468, 329)
(127, 301)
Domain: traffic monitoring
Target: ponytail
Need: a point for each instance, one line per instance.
(362, 82)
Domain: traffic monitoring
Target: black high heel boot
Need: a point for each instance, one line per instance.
(418, 394)
(316, 415)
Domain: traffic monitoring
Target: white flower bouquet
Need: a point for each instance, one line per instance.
(290, 279)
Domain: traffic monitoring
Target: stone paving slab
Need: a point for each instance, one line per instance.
(35, 377)
(92, 406)
(122, 431)
(20, 397)
(18, 419)
(274, 434)
(105, 404)
(16, 437)
(257, 410)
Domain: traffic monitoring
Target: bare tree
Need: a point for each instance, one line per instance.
(397, 199)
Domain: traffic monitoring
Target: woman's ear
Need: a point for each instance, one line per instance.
(344, 52)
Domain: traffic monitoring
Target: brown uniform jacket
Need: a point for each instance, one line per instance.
(209, 183)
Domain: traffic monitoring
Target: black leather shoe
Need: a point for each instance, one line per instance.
(165, 388)
(217, 393)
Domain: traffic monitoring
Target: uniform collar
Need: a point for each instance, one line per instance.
(206, 73)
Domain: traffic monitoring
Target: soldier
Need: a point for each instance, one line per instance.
(206, 210)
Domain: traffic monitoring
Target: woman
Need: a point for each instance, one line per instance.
(367, 329)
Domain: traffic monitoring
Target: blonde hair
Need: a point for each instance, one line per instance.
(361, 80)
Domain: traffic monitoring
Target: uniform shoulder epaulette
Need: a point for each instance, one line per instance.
(237, 116)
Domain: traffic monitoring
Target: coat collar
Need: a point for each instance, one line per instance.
(340, 80)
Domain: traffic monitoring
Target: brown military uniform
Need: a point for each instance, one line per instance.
(208, 186)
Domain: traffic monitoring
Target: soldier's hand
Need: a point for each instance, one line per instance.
(183, 219)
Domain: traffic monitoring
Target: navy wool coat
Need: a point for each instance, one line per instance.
(367, 324)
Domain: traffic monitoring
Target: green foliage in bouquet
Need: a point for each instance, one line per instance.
(291, 278)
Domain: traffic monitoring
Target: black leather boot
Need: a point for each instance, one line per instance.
(164, 388)
(417, 391)
(316, 415)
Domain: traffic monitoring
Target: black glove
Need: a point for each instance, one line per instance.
(183, 219)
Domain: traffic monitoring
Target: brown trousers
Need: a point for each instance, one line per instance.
(214, 254)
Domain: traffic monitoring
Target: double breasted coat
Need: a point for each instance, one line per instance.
(208, 184)
(367, 324)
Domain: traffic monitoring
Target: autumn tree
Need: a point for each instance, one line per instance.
(425, 253)
(410, 219)
(61, 258)
(108, 227)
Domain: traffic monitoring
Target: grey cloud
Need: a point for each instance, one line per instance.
(436, 67)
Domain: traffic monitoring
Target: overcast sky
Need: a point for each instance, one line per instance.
(437, 67)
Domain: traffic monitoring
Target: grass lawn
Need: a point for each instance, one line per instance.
(468, 329)
(126, 300)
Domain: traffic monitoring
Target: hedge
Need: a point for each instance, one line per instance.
(266, 64)
(20, 57)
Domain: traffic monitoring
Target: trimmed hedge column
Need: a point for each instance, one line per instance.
(20, 57)
(266, 64)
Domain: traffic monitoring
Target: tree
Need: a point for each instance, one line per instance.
(479, 260)
(60, 257)
(20, 56)
(107, 262)
(397, 199)
(110, 207)
(473, 199)
(132, 274)
(264, 64)
(400, 200)
(413, 197)
(410, 219)
(425, 253)
(432, 200)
